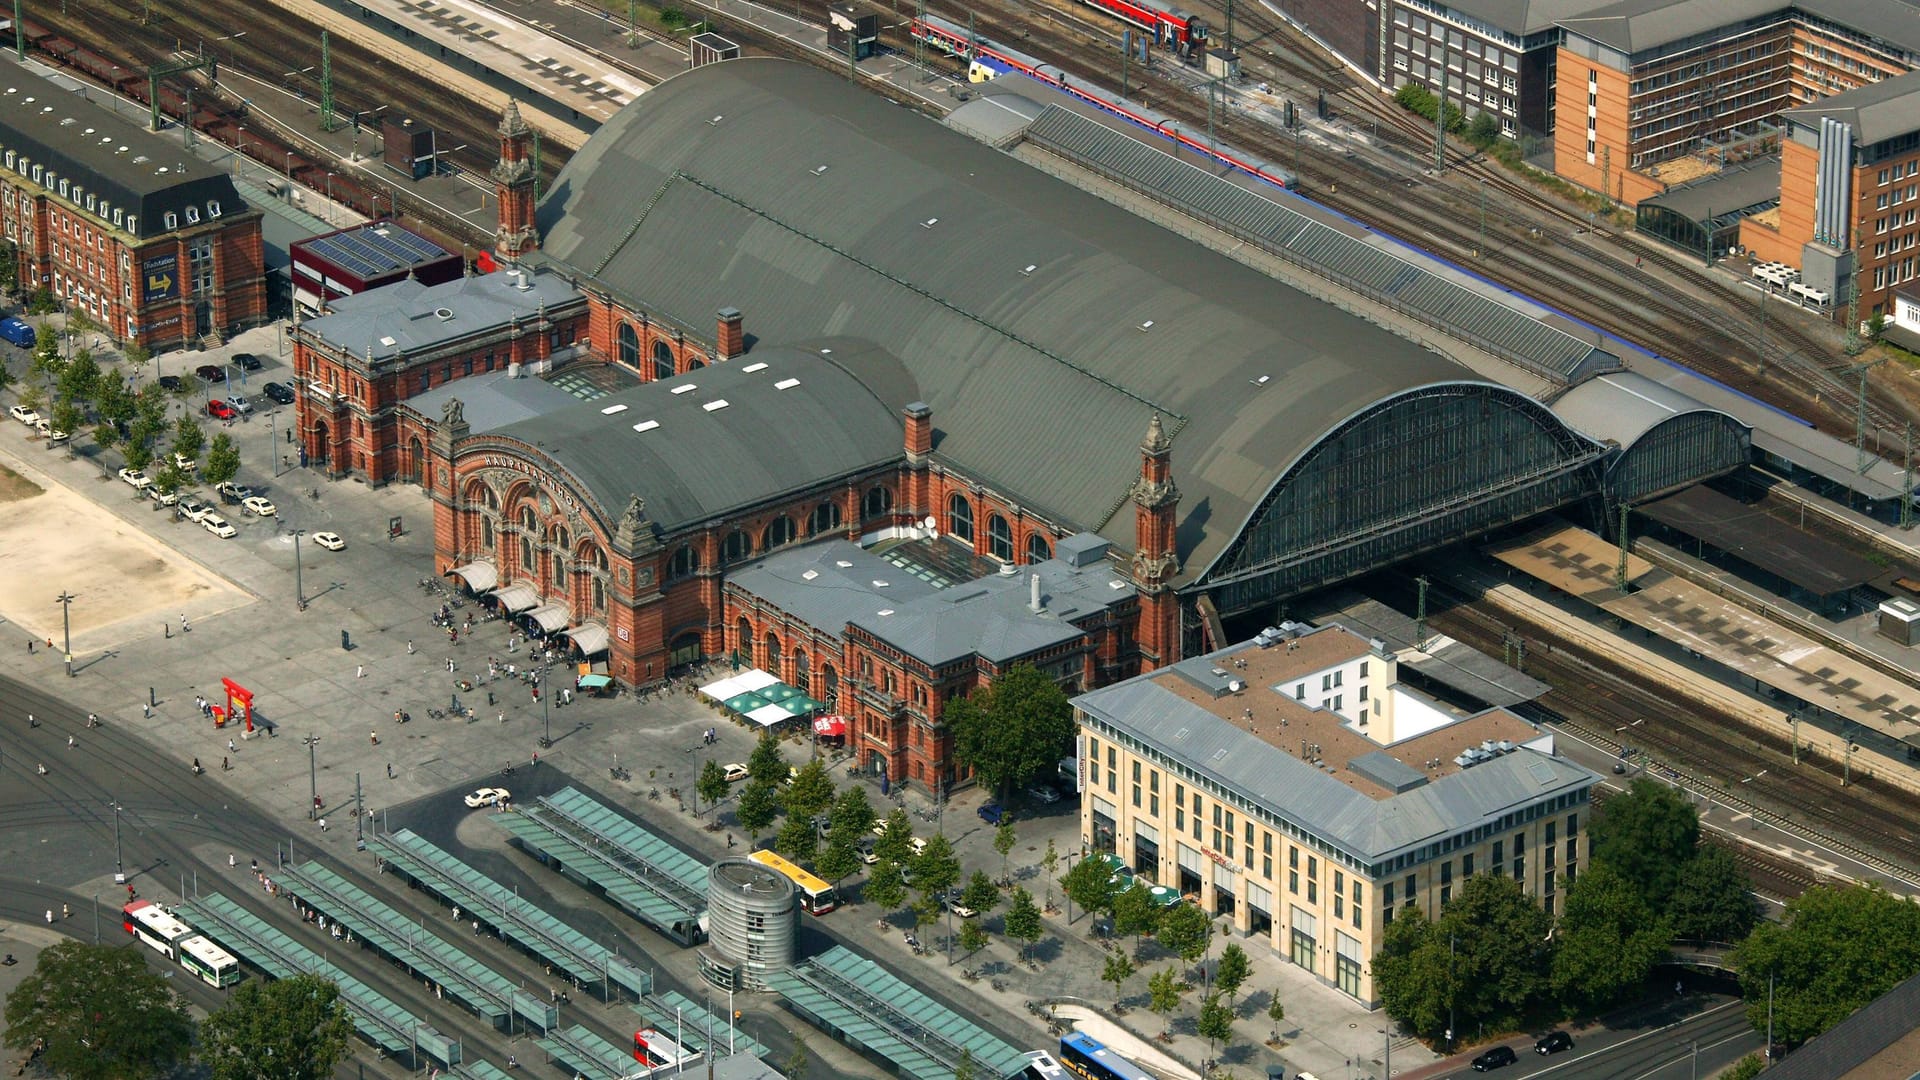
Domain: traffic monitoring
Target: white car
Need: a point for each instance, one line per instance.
(218, 526)
(194, 510)
(184, 463)
(54, 438)
(488, 796)
(140, 481)
(259, 506)
(163, 498)
(24, 415)
(736, 772)
(330, 541)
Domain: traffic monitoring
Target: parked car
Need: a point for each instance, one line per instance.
(488, 796)
(951, 901)
(220, 410)
(173, 384)
(993, 813)
(211, 373)
(258, 506)
(194, 510)
(865, 850)
(1495, 1058)
(279, 392)
(218, 526)
(18, 332)
(239, 403)
(736, 772)
(1553, 1042)
(184, 463)
(140, 481)
(330, 541)
(25, 415)
(45, 428)
(164, 498)
(246, 361)
(233, 493)
(1043, 793)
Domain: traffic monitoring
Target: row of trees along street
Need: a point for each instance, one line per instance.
(96, 1012)
(1495, 962)
(81, 393)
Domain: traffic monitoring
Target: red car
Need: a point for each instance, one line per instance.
(220, 410)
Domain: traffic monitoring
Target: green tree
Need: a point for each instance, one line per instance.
(973, 937)
(1020, 731)
(1276, 1014)
(67, 417)
(765, 763)
(1118, 970)
(1050, 862)
(795, 1066)
(32, 397)
(1713, 899)
(852, 815)
(1483, 129)
(1185, 931)
(82, 378)
(1163, 997)
(935, 869)
(188, 438)
(896, 844)
(289, 1029)
(712, 785)
(1216, 1021)
(885, 888)
(759, 804)
(1230, 974)
(1090, 884)
(1608, 941)
(138, 357)
(980, 894)
(1648, 834)
(139, 453)
(101, 1013)
(46, 352)
(223, 460)
(1023, 920)
(1746, 1068)
(169, 479)
(1135, 913)
(837, 861)
(1412, 972)
(1834, 949)
(113, 402)
(1502, 954)
(1004, 838)
(106, 436)
(797, 839)
(809, 793)
(964, 1068)
(150, 406)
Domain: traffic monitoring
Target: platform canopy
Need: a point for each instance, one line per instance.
(1747, 533)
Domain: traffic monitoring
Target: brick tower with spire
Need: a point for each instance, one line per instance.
(1156, 560)
(513, 183)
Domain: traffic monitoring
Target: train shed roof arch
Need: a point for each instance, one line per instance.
(1043, 325)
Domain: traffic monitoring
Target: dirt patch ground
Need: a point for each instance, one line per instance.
(123, 580)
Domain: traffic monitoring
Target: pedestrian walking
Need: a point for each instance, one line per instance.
(456, 913)
(409, 646)
(183, 623)
(360, 671)
(490, 697)
(323, 824)
(31, 722)
(66, 912)
(232, 748)
(146, 710)
(71, 743)
(729, 841)
(29, 646)
(389, 770)
(449, 663)
(231, 861)
(503, 718)
(49, 916)
(225, 766)
(375, 736)
(476, 927)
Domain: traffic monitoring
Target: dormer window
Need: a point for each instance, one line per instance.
(213, 208)
(171, 220)
(133, 225)
(119, 217)
(63, 187)
(193, 215)
(37, 171)
(91, 200)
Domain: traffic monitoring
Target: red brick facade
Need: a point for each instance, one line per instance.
(513, 185)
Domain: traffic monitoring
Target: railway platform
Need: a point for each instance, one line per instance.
(1863, 705)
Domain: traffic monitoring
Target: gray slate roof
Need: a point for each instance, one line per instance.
(1622, 407)
(1635, 26)
(494, 400)
(1885, 110)
(408, 317)
(110, 156)
(1367, 829)
(699, 463)
(1522, 17)
(1860, 1040)
(1041, 385)
(991, 617)
(847, 583)
(1743, 187)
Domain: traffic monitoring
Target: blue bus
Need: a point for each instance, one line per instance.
(1088, 1058)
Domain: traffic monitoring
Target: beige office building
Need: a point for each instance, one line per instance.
(1292, 785)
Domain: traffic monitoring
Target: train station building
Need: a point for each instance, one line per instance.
(764, 317)
(154, 246)
(1293, 785)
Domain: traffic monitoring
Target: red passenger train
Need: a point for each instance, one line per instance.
(1171, 28)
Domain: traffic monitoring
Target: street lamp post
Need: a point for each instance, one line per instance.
(329, 198)
(119, 866)
(289, 164)
(299, 590)
(313, 777)
(546, 707)
(65, 600)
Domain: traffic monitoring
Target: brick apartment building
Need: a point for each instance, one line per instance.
(152, 244)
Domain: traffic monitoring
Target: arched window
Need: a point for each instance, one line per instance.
(771, 658)
(559, 564)
(629, 346)
(801, 679)
(694, 362)
(826, 518)
(778, 531)
(743, 641)
(526, 554)
(960, 517)
(829, 683)
(527, 519)
(560, 538)
(736, 547)
(877, 501)
(685, 563)
(999, 538)
(662, 360)
(599, 595)
(486, 531)
(1038, 550)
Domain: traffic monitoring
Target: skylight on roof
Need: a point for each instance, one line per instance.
(611, 409)
(646, 425)
(879, 584)
(809, 575)
(884, 611)
(686, 389)
(754, 367)
(715, 405)
(388, 342)
(842, 563)
(786, 384)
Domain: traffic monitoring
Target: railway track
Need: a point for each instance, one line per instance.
(1600, 698)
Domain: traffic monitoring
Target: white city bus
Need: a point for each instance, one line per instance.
(156, 927)
(214, 965)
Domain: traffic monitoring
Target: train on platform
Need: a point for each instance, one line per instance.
(1171, 28)
(988, 60)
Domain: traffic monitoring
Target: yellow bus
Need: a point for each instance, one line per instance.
(816, 896)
